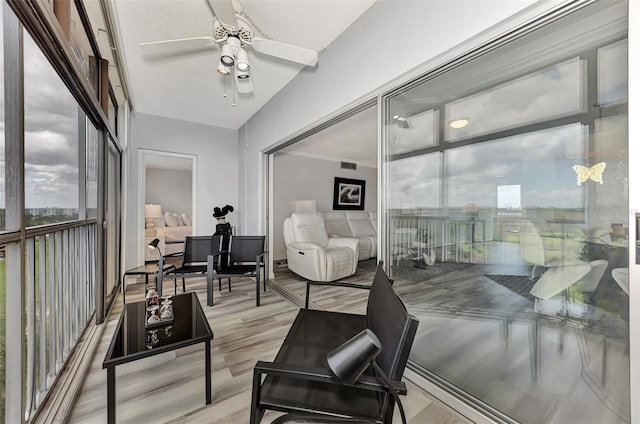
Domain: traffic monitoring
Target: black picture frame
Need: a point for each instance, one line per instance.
(348, 194)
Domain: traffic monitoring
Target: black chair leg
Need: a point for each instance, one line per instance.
(258, 290)
(219, 284)
(184, 290)
(229, 283)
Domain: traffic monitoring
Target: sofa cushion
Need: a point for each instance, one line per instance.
(170, 220)
(336, 224)
(309, 227)
(186, 219)
(360, 224)
(178, 219)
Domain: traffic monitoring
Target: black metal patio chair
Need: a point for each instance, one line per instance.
(299, 379)
(194, 257)
(246, 258)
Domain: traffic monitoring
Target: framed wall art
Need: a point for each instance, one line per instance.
(348, 194)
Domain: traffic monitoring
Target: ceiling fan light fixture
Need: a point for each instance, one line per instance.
(242, 64)
(223, 70)
(226, 58)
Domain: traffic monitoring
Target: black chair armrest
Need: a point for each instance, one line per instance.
(366, 382)
(331, 283)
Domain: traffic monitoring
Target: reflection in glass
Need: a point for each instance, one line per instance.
(544, 174)
(3, 317)
(612, 73)
(512, 247)
(51, 142)
(3, 200)
(551, 92)
(413, 132)
(92, 170)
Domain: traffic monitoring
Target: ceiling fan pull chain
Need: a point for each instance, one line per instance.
(224, 91)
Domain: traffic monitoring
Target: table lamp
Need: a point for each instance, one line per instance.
(154, 245)
(349, 360)
(151, 212)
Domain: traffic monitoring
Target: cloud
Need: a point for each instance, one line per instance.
(539, 162)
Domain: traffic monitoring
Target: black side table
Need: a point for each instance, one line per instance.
(133, 341)
(147, 270)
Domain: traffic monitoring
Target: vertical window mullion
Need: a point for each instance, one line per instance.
(14, 218)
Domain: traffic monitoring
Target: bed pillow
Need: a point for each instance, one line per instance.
(170, 220)
(186, 219)
(178, 219)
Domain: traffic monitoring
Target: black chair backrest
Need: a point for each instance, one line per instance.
(389, 319)
(196, 249)
(246, 248)
(216, 244)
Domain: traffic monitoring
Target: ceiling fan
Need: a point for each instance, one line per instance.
(233, 34)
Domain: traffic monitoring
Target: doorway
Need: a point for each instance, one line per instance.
(167, 179)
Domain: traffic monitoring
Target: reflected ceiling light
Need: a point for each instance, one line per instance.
(459, 123)
(242, 64)
(227, 55)
(242, 74)
(223, 70)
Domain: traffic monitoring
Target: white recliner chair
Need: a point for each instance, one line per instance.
(312, 254)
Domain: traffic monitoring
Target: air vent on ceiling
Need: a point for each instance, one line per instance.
(348, 165)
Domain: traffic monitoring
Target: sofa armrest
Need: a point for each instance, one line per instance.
(351, 243)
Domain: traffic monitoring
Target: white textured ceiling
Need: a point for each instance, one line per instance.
(187, 86)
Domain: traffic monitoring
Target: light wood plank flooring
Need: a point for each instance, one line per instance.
(169, 388)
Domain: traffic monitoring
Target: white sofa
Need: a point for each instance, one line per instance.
(312, 254)
(361, 225)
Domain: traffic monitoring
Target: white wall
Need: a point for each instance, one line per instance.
(216, 150)
(169, 188)
(297, 177)
(358, 64)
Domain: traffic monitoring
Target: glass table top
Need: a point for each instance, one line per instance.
(132, 340)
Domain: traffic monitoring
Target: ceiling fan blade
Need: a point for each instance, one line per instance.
(289, 52)
(226, 14)
(195, 43)
(244, 85)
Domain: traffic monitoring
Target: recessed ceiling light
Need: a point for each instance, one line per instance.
(459, 123)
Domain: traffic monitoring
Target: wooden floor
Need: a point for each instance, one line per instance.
(169, 388)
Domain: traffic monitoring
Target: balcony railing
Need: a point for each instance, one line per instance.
(60, 300)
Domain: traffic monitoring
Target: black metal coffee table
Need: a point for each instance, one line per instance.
(132, 341)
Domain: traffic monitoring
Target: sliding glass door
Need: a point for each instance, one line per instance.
(506, 220)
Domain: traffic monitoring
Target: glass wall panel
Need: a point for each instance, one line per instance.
(558, 93)
(3, 319)
(93, 144)
(612, 73)
(417, 131)
(2, 152)
(511, 245)
(113, 221)
(51, 142)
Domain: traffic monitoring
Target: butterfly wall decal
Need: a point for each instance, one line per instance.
(595, 172)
